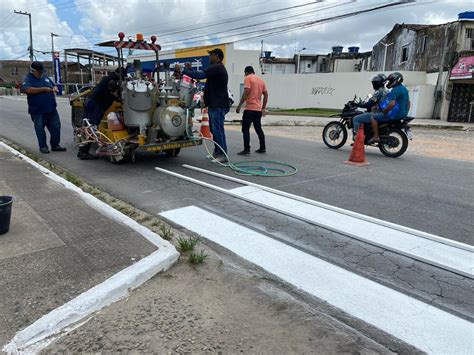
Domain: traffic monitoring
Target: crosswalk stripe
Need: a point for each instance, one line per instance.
(426, 327)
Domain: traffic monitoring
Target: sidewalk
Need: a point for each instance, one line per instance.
(283, 120)
(280, 120)
(57, 248)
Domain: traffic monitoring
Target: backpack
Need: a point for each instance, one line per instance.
(387, 100)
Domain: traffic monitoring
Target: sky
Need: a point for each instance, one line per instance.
(185, 23)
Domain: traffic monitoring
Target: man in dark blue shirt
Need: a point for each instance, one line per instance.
(216, 99)
(40, 91)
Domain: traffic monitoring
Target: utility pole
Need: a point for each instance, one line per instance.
(385, 53)
(298, 65)
(31, 31)
(52, 51)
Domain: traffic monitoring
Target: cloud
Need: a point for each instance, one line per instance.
(181, 23)
(14, 29)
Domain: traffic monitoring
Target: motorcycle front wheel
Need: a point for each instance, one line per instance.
(394, 144)
(334, 135)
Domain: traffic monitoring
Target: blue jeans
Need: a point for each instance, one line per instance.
(365, 118)
(52, 122)
(216, 124)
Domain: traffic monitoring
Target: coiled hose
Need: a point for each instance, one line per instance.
(267, 168)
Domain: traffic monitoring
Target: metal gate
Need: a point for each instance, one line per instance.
(461, 108)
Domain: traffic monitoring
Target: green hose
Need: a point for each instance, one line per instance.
(267, 168)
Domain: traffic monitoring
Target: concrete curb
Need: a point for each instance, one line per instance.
(54, 324)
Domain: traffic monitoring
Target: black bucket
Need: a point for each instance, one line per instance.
(5, 213)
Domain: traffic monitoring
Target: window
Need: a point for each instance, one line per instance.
(308, 66)
(14, 71)
(404, 54)
(280, 68)
(422, 44)
(469, 39)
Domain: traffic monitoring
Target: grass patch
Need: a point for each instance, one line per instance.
(143, 219)
(72, 179)
(310, 111)
(187, 244)
(165, 232)
(197, 258)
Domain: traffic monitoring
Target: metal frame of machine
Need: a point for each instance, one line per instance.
(150, 117)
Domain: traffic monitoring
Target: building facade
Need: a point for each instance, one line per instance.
(436, 49)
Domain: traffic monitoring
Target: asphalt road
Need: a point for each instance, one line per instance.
(430, 194)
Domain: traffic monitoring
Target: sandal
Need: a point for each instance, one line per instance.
(373, 141)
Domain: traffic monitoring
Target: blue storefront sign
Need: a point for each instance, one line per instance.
(198, 63)
(57, 72)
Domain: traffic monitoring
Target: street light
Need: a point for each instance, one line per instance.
(385, 53)
(299, 54)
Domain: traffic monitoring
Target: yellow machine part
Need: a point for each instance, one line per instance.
(114, 136)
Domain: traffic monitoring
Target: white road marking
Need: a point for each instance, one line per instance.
(52, 325)
(419, 324)
(438, 251)
(439, 254)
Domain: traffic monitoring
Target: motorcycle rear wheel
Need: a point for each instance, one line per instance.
(394, 144)
(334, 135)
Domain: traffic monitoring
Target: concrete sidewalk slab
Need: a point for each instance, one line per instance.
(59, 246)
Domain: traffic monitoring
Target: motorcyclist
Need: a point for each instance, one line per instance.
(372, 105)
(399, 94)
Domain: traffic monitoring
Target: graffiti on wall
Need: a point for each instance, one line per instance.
(322, 90)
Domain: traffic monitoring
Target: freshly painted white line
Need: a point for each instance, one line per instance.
(38, 335)
(337, 209)
(419, 324)
(430, 251)
(439, 254)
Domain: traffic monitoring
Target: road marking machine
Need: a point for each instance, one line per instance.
(148, 116)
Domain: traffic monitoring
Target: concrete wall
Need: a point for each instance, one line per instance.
(345, 65)
(422, 98)
(326, 90)
(238, 59)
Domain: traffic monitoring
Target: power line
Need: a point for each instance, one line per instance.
(261, 23)
(272, 31)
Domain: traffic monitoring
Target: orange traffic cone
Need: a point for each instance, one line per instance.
(205, 131)
(357, 156)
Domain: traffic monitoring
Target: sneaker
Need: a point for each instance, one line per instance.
(261, 151)
(244, 152)
(211, 156)
(220, 159)
(86, 156)
(58, 148)
(44, 150)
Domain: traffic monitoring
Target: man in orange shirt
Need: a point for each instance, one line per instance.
(254, 88)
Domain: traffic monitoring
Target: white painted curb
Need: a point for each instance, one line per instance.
(45, 330)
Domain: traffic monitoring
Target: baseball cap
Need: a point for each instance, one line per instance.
(37, 66)
(218, 52)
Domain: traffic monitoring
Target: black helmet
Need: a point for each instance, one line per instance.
(378, 81)
(394, 79)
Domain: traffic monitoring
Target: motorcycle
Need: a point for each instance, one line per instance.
(394, 134)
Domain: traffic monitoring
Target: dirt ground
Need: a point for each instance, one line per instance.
(439, 143)
(214, 307)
